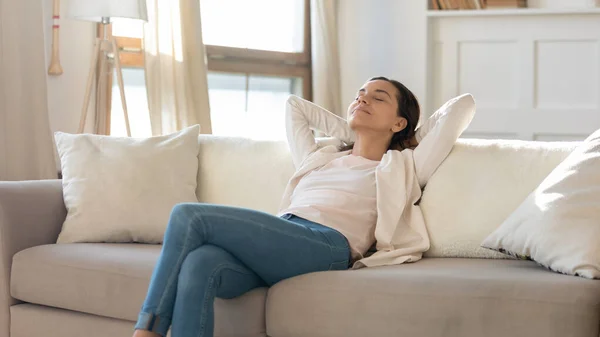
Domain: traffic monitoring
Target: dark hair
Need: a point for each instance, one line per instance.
(408, 108)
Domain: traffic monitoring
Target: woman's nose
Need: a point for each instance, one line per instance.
(362, 99)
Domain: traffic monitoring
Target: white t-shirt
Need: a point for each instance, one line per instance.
(341, 195)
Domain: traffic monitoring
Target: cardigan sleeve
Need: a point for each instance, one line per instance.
(301, 116)
(439, 133)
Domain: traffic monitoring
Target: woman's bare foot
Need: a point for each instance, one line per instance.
(145, 333)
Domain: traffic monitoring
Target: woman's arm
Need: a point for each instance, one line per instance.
(439, 133)
(301, 116)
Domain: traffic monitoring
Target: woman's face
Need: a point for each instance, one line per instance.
(375, 109)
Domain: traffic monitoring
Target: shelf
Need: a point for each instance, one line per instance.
(512, 12)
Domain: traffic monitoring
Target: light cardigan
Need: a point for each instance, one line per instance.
(400, 231)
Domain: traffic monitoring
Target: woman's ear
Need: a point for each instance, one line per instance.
(399, 125)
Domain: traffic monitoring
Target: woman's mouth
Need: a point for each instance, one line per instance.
(363, 110)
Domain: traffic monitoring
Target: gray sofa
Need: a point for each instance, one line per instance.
(96, 289)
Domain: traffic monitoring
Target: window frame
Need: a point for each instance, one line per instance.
(230, 60)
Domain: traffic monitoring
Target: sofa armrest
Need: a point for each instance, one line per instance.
(31, 214)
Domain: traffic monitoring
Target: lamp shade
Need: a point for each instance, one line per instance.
(95, 10)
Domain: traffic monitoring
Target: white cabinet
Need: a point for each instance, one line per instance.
(535, 73)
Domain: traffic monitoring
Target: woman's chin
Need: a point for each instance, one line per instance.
(357, 121)
(358, 126)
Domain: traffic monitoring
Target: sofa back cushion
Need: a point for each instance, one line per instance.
(474, 190)
(245, 173)
(242, 172)
(478, 186)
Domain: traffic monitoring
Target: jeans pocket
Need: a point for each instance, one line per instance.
(342, 265)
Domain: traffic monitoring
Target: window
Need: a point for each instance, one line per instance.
(137, 105)
(257, 55)
(258, 25)
(250, 105)
(129, 35)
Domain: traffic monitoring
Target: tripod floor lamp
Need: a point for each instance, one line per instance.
(102, 11)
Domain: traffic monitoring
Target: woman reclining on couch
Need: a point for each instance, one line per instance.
(339, 203)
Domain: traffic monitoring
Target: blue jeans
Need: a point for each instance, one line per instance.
(219, 251)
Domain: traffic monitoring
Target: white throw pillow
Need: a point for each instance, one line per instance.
(558, 225)
(120, 189)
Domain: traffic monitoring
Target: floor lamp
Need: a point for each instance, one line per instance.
(102, 11)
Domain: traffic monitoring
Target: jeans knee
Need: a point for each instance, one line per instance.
(200, 264)
(183, 214)
(185, 209)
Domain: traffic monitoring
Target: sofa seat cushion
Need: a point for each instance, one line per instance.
(436, 297)
(111, 280)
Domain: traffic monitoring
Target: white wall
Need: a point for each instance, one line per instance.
(383, 38)
(65, 92)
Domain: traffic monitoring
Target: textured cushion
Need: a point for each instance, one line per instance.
(243, 172)
(558, 225)
(246, 173)
(119, 189)
(111, 280)
(436, 297)
(478, 186)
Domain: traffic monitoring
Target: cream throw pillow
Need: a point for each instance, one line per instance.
(558, 225)
(120, 189)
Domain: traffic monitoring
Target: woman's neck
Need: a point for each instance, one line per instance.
(369, 147)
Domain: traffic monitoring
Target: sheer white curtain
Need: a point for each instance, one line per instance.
(325, 55)
(176, 72)
(26, 151)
